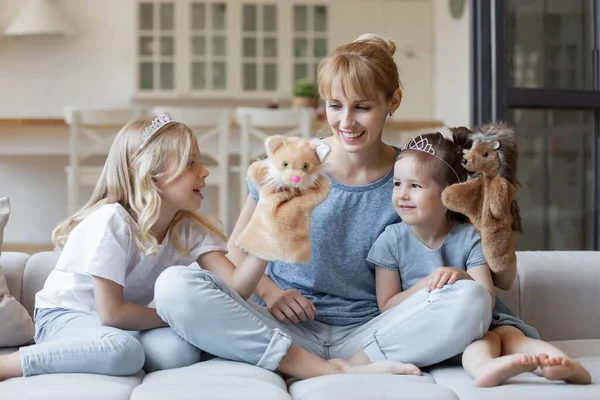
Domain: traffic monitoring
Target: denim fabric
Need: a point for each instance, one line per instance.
(425, 329)
(69, 341)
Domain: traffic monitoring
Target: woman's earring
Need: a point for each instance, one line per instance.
(391, 113)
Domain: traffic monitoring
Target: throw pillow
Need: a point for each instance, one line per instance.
(4, 211)
(16, 327)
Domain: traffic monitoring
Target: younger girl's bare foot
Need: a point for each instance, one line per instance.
(564, 369)
(497, 370)
(10, 366)
(379, 367)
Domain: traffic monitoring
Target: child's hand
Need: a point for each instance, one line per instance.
(445, 276)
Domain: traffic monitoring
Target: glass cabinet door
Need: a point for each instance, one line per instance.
(203, 48)
(208, 45)
(259, 47)
(156, 46)
(309, 42)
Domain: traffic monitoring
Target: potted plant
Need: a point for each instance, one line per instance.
(306, 94)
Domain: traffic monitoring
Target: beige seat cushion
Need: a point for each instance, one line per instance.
(70, 386)
(214, 379)
(370, 387)
(529, 386)
(4, 213)
(16, 327)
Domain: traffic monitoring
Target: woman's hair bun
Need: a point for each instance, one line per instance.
(377, 40)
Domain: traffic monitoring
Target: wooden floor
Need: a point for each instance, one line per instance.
(29, 248)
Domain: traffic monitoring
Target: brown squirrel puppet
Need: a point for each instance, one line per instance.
(290, 185)
(488, 198)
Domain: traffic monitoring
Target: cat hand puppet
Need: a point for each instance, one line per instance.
(290, 185)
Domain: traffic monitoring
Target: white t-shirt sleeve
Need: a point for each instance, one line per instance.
(99, 246)
(201, 240)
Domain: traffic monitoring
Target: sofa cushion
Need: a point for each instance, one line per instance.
(528, 386)
(13, 267)
(16, 326)
(70, 386)
(560, 293)
(214, 379)
(38, 268)
(4, 211)
(370, 387)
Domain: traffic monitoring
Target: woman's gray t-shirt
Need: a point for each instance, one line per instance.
(339, 280)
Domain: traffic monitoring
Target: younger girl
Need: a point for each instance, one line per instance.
(433, 247)
(92, 315)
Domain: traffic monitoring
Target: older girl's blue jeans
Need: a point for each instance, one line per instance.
(69, 341)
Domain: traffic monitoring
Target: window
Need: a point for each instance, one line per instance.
(156, 46)
(208, 45)
(309, 40)
(257, 49)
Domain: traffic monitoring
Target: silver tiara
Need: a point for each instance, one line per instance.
(419, 143)
(158, 122)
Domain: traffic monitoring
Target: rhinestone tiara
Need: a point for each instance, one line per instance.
(158, 122)
(419, 143)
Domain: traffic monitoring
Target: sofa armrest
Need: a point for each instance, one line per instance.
(560, 293)
(13, 266)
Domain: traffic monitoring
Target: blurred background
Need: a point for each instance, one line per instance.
(533, 63)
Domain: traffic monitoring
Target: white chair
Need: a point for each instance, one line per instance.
(256, 124)
(91, 133)
(211, 126)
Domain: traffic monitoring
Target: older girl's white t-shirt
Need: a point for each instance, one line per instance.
(104, 245)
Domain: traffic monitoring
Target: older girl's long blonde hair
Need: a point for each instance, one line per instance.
(129, 177)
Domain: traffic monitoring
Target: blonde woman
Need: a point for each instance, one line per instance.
(92, 315)
(329, 307)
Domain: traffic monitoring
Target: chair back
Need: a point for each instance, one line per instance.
(91, 133)
(256, 124)
(211, 127)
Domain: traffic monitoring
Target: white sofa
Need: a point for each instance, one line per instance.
(557, 292)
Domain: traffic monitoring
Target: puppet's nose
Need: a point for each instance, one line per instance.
(463, 161)
(295, 179)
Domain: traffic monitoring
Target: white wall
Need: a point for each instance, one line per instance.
(452, 84)
(91, 67)
(38, 77)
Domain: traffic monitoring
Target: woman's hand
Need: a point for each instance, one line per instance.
(290, 306)
(445, 276)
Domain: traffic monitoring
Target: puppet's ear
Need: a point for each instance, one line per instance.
(495, 145)
(274, 142)
(321, 149)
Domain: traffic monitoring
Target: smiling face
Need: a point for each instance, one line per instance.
(417, 197)
(184, 193)
(356, 122)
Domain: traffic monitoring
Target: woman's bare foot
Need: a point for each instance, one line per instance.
(564, 369)
(497, 370)
(10, 366)
(379, 367)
